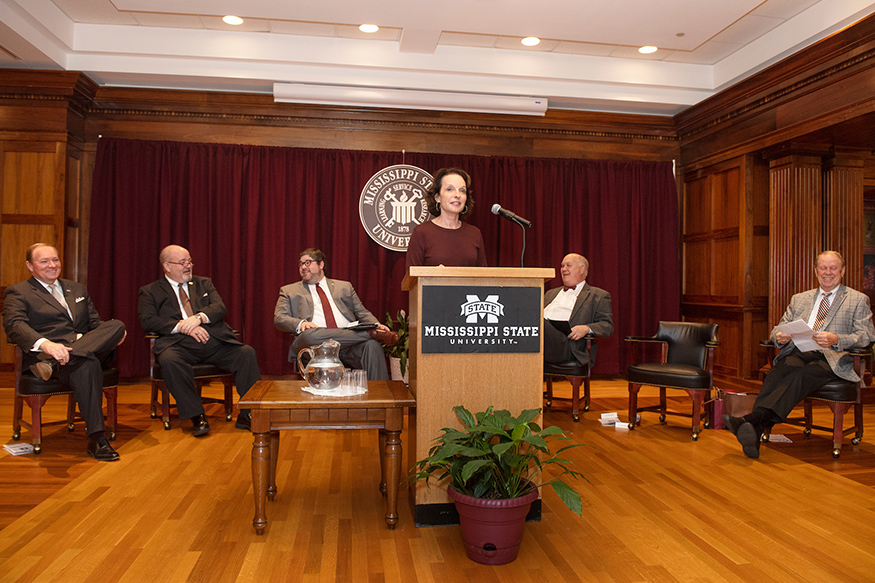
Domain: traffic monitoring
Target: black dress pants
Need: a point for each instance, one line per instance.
(84, 371)
(177, 363)
(796, 376)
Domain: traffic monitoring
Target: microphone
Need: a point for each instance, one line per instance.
(497, 210)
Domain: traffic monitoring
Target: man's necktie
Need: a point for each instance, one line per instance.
(186, 303)
(59, 295)
(330, 322)
(822, 311)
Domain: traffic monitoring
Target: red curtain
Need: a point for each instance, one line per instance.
(245, 212)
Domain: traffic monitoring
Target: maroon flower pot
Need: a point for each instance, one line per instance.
(492, 529)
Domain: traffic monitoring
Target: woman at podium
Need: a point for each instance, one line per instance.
(446, 240)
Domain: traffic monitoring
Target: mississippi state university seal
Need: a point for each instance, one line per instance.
(393, 202)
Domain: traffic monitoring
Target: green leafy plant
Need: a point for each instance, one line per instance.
(401, 348)
(498, 456)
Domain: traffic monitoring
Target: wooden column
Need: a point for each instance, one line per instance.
(843, 198)
(795, 227)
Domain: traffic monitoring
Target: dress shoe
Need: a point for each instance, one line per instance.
(749, 438)
(243, 422)
(201, 427)
(43, 369)
(732, 423)
(101, 450)
(384, 337)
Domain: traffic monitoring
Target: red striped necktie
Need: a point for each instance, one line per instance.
(822, 311)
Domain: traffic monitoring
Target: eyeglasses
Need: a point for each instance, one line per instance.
(183, 263)
(305, 263)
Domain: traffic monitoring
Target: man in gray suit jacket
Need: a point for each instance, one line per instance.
(60, 333)
(300, 311)
(841, 319)
(188, 314)
(585, 308)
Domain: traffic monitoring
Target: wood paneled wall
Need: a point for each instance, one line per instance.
(799, 133)
(725, 230)
(40, 175)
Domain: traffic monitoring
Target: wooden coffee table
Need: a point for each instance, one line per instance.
(280, 405)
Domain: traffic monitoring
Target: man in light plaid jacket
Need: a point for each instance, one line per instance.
(841, 319)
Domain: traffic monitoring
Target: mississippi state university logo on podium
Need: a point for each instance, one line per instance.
(393, 202)
(460, 319)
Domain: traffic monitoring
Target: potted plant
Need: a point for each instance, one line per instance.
(398, 352)
(493, 465)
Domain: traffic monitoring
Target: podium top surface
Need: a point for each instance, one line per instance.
(415, 272)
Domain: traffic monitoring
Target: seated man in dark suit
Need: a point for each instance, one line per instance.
(842, 319)
(585, 309)
(188, 314)
(317, 309)
(61, 334)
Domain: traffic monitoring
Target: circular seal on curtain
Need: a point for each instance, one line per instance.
(393, 202)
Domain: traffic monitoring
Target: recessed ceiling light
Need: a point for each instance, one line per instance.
(235, 20)
(647, 50)
(369, 28)
(531, 41)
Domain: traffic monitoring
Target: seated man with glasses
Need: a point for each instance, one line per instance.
(317, 309)
(188, 314)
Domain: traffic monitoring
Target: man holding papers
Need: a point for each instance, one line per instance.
(317, 309)
(835, 318)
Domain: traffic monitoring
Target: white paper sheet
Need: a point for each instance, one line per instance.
(801, 334)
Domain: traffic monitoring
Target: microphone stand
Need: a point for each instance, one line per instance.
(523, 254)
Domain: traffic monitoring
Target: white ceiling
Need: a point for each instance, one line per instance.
(587, 59)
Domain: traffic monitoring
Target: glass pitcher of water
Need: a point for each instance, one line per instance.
(323, 370)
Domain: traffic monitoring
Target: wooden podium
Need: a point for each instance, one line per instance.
(485, 370)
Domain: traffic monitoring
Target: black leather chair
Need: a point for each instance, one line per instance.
(204, 374)
(35, 392)
(840, 395)
(576, 374)
(686, 363)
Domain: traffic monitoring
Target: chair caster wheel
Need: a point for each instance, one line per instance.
(586, 408)
(766, 438)
(16, 436)
(37, 448)
(836, 453)
(706, 425)
(548, 403)
(856, 441)
(632, 426)
(662, 418)
(806, 432)
(228, 417)
(695, 437)
(71, 427)
(167, 426)
(112, 436)
(576, 417)
(153, 415)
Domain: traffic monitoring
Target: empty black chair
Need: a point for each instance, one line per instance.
(686, 364)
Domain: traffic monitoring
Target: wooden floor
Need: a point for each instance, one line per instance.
(658, 507)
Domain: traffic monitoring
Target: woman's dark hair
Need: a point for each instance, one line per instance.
(433, 207)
